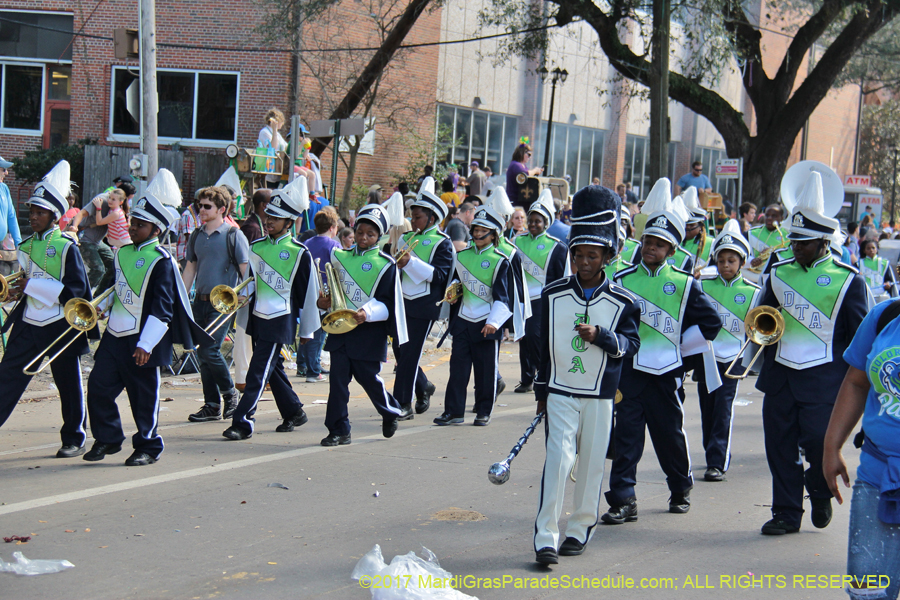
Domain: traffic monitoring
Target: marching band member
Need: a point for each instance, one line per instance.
(823, 302)
(149, 312)
(285, 284)
(424, 274)
(674, 312)
(769, 235)
(476, 320)
(544, 260)
(732, 296)
(54, 274)
(696, 230)
(579, 372)
(371, 284)
(682, 259)
(619, 263)
(877, 271)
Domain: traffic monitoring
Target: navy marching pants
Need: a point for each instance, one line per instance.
(658, 409)
(266, 366)
(716, 417)
(66, 374)
(114, 371)
(789, 425)
(471, 352)
(530, 345)
(410, 377)
(366, 373)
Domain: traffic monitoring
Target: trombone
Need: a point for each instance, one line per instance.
(5, 283)
(339, 319)
(82, 316)
(764, 326)
(225, 300)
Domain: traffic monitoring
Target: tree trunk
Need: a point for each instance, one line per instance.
(373, 70)
(351, 173)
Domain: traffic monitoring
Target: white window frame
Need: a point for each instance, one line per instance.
(192, 141)
(19, 63)
(42, 61)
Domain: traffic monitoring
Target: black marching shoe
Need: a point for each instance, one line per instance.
(448, 419)
(423, 403)
(207, 412)
(501, 385)
(571, 547)
(236, 433)
(624, 513)
(70, 451)
(334, 439)
(680, 503)
(714, 474)
(100, 450)
(523, 388)
(546, 556)
(288, 425)
(482, 420)
(389, 427)
(821, 512)
(406, 413)
(139, 459)
(777, 526)
(231, 400)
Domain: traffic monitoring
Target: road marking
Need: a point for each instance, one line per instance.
(208, 470)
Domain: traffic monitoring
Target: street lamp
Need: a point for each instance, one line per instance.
(894, 150)
(556, 75)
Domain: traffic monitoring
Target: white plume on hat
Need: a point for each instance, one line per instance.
(230, 178)
(812, 197)
(659, 198)
(679, 209)
(499, 201)
(59, 178)
(298, 192)
(395, 208)
(427, 185)
(544, 206)
(165, 188)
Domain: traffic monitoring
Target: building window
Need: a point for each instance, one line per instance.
(20, 36)
(194, 106)
(21, 97)
(574, 151)
(489, 138)
(637, 165)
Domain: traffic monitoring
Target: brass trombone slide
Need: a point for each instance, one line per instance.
(764, 326)
(82, 316)
(225, 299)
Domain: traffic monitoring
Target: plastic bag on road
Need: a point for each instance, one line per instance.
(383, 580)
(24, 566)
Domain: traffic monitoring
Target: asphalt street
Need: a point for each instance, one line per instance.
(204, 522)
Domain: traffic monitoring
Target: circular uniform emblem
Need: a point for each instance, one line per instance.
(139, 263)
(740, 299)
(366, 266)
(51, 251)
(426, 242)
(284, 255)
(669, 288)
(485, 264)
(884, 373)
(541, 246)
(823, 280)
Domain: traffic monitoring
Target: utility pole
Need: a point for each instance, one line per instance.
(659, 91)
(149, 95)
(557, 75)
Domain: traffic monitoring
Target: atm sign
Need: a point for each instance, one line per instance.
(858, 180)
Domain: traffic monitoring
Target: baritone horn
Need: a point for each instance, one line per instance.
(764, 326)
(339, 319)
(226, 300)
(82, 316)
(6, 281)
(498, 474)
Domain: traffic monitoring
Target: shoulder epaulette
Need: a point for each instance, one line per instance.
(624, 272)
(162, 250)
(68, 236)
(618, 289)
(559, 283)
(258, 240)
(25, 240)
(846, 266)
(674, 268)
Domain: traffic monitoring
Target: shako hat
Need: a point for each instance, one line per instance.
(291, 201)
(158, 202)
(807, 219)
(487, 217)
(377, 215)
(53, 190)
(427, 199)
(596, 213)
(663, 219)
(731, 238)
(544, 206)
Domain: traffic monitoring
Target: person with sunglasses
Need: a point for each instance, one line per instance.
(519, 165)
(695, 178)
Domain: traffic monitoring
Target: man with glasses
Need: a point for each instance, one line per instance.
(695, 178)
(217, 253)
(8, 222)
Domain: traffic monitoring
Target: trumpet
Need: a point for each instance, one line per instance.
(340, 319)
(405, 250)
(225, 300)
(452, 294)
(498, 474)
(765, 254)
(5, 283)
(81, 316)
(764, 326)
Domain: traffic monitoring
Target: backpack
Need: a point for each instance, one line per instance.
(230, 243)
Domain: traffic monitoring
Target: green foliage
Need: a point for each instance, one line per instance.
(880, 129)
(37, 163)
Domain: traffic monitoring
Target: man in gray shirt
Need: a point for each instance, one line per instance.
(213, 260)
(458, 227)
(476, 179)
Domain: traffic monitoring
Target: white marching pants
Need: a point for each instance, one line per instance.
(574, 424)
(243, 350)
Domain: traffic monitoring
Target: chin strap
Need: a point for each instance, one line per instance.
(484, 237)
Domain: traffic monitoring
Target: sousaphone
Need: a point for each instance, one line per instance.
(795, 179)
